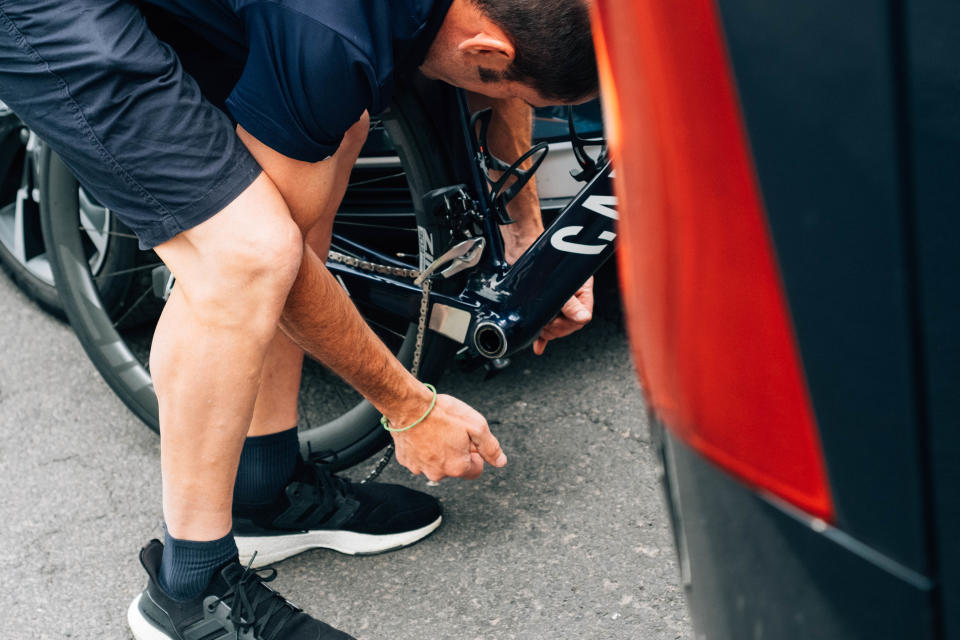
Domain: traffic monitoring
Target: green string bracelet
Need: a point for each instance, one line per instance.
(386, 422)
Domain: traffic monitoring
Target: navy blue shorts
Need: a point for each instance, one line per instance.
(97, 85)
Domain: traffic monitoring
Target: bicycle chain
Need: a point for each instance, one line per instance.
(413, 274)
(364, 265)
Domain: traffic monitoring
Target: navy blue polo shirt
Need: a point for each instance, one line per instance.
(311, 67)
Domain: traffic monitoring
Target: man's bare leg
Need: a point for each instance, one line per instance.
(217, 340)
(233, 273)
(276, 407)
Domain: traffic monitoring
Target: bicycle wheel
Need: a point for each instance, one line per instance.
(108, 248)
(382, 210)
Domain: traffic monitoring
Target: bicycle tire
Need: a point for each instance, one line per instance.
(345, 440)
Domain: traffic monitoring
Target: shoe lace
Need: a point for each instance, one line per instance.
(253, 604)
(323, 479)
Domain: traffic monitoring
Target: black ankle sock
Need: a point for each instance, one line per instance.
(267, 464)
(187, 566)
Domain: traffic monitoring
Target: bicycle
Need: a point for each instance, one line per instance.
(431, 289)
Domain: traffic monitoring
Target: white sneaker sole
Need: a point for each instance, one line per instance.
(142, 628)
(272, 549)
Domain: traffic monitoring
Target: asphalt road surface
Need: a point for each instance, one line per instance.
(570, 541)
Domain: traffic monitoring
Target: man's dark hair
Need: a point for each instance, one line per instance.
(552, 43)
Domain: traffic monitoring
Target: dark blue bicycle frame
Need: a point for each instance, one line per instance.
(501, 308)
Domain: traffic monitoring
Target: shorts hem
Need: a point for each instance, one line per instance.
(238, 178)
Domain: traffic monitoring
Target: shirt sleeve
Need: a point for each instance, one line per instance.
(302, 86)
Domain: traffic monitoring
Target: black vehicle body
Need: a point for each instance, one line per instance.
(851, 116)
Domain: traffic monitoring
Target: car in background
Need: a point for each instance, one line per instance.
(789, 176)
(21, 242)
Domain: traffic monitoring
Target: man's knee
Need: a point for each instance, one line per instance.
(247, 284)
(268, 257)
(238, 266)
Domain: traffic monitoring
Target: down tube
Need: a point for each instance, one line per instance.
(575, 246)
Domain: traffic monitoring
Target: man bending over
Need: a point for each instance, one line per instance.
(228, 209)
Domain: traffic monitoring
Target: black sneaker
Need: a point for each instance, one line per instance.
(236, 604)
(320, 510)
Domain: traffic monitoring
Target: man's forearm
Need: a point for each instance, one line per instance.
(320, 317)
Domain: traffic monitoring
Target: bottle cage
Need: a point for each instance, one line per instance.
(588, 166)
(512, 177)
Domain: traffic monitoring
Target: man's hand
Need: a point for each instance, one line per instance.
(453, 441)
(576, 313)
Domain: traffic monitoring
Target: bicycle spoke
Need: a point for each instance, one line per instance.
(121, 272)
(96, 233)
(136, 303)
(391, 176)
(374, 226)
(345, 244)
(384, 327)
(342, 215)
(115, 234)
(344, 402)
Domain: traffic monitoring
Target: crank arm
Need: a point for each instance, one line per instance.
(462, 256)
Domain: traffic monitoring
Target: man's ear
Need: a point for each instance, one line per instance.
(494, 48)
